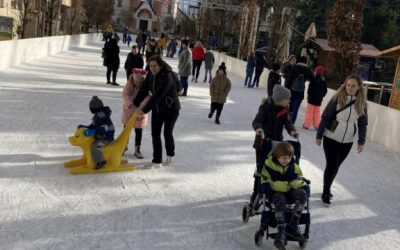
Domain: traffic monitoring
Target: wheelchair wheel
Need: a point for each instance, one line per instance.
(303, 244)
(258, 237)
(246, 212)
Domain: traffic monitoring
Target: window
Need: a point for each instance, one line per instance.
(119, 3)
(1, 3)
(13, 4)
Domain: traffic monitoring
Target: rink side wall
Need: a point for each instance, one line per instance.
(383, 122)
(15, 52)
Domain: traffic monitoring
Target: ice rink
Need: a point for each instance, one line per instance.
(194, 204)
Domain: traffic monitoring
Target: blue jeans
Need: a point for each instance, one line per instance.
(294, 108)
(185, 84)
(249, 76)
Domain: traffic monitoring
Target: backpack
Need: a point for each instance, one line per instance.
(299, 83)
(175, 77)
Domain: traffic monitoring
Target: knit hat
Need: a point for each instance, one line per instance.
(139, 74)
(95, 104)
(292, 56)
(280, 93)
(320, 70)
(223, 68)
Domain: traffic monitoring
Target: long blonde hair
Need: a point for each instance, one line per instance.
(361, 99)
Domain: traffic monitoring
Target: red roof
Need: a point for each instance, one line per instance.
(368, 50)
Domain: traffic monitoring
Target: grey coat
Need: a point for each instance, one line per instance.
(209, 60)
(185, 63)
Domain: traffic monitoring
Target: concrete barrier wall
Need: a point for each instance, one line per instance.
(15, 52)
(383, 122)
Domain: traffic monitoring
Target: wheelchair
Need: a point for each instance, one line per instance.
(261, 199)
(268, 218)
(263, 147)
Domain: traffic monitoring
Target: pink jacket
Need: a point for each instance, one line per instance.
(128, 94)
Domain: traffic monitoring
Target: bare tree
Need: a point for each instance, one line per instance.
(282, 19)
(127, 18)
(345, 25)
(98, 12)
(77, 17)
(52, 12)
(25, 11)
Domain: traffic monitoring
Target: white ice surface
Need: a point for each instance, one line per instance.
(194, 204)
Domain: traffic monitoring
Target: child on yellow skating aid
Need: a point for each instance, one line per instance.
(102, 128)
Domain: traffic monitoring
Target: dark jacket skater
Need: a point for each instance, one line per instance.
(273, 78)
(133, 61)
(111, 55)
(300, 70)
(261, 63)
(272, 119)
(165, 107)
(316, 90)
(111, 60)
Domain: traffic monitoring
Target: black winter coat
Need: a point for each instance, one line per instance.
(273, 78)
(316, 90)
(151, 51)
(272, 119)
(261, 63)
(111, 54)
(164, 97)
(133, 61)
(300, 68)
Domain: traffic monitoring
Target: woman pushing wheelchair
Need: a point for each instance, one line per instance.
(273, 115)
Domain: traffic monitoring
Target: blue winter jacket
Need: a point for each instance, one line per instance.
(101, 122)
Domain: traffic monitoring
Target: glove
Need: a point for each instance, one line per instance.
(89, 132)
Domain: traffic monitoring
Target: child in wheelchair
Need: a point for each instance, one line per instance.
(282, 182)
(272, 116)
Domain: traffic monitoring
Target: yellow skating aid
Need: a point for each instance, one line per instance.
(112, 152)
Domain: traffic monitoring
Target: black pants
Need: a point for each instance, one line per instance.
(281, 199)
(138, 136)
(114, 74)
(157, 121)
(257, 78)
(196, 67)
(335, 153)
(218, 107)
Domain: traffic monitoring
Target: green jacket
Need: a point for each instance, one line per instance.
(280, 178)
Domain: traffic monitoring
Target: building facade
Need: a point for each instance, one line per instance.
(40, 17)
(156, 16)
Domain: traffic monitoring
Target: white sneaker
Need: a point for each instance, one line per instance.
(152, 165)
(168, 161)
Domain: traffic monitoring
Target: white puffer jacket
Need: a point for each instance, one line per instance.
(348, 123)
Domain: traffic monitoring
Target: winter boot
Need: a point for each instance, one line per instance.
(217, 120)
(152, 165)
(100, 164)
(168, 161)
(138, 154)
(292, 229)
(280, 237)
(326, 201)
(210, 114)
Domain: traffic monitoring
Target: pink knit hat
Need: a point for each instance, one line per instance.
(139, 74)
(320, 70)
